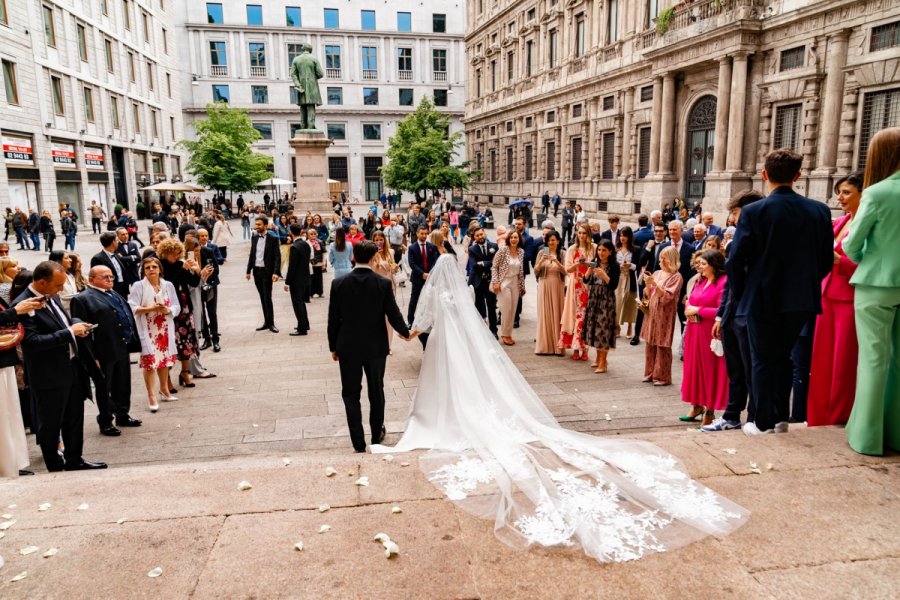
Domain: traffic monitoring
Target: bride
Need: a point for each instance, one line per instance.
(499, 454)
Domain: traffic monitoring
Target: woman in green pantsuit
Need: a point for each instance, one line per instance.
(874, 242)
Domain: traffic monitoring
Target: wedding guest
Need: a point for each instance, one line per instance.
(712, 242)
(508, 282)
(600, 325)
(70, 289)
(264, 265)
(454, 224)
(501, 236)
(183, 275)
(9, 268)
(551, 273)
(296, 280)
(577, 257)
(628, 257)
(77, 272)
(481, 259)
(339, 253)
(154, 302)
(48, 232)
(317, 258)
(832, 379)
(383, 264)
(321, 228)
(705, 381)
(354, 235)
(874, 423)
(221, 235)
(662, 291)
(445, 239)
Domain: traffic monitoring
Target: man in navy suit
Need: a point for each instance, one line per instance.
(782, 249)
(711, 229)
(649, 263)
(481, 260)
(422, 258)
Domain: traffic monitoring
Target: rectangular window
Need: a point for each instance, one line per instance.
(370, 62)
(530, 15)
(214, 12)
(264, 129)
(370, 96)
(529, 162)
(406, 97)
(59, 104)
(551, 116)
(145, 18)
(335, 95)
(114, 112)
(885, 36)
(792, 58)
(260, 94)
(529, 58)
(337, 168)
(332, 18)
(49, 27)
(217, 56)
(529, 121)
(609, 102)
(787, 126)
(295, 97)
(165, 39)
(333, 57)
(478, 83)
(607, 162)
(439, 60)
(579, 35)
(576, 158)
(10, 83)
(509, 126)
(510, 67)
(554, 40)
(82, 42)
(440, 97)
(293, 51)
(254, 14)
(492, 164)
(479, 164)
(367, 20)
(136, 115)
(404, 22)
(643, 152)
(88, 104)
(404, 63)
(220, 93)
(493, 75)
(509, 163)
(110, 65)
(337, 131)
(439, 23)
(612, 21)
(132, 69)
(172, 128)
(880, 110)
(551, 160)
(292, 16)
(652, 12)
(257, 56)
(154, 123)
(371, 131)
(647, 93)
(150, 76)
(4, 16)
(126, 12)
(576, 110)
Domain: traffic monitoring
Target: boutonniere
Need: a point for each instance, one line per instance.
(492, 250)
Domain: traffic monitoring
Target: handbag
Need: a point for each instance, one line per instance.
(11, 336)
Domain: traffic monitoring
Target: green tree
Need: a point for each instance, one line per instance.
(421, 154)
(221, 157)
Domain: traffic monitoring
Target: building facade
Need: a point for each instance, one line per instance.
(624, 106)
(378, 65)
(92, 107)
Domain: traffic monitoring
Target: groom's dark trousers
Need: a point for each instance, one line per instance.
(357, 336)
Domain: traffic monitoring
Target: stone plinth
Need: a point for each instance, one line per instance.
(311, 170)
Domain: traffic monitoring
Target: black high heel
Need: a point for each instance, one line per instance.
(182, 379)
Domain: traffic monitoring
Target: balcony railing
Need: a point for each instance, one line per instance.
(370, 74)
(218, 70)
(404, 75)
(333, 73)
(440, 75)
(257, 71)
(647, 39)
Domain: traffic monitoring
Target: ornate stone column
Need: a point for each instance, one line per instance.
(627, 109)
(723, 100)
(830, 114)
(667, 125)
(655, 119)
(734, 161)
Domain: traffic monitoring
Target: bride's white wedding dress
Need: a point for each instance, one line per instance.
(498, 453)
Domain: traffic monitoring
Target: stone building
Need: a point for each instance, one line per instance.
(624, 106)
(91, 109)
(379, 62)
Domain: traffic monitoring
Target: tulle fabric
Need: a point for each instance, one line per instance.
(496, 451)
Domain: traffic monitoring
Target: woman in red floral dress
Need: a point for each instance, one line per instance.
(577, 258)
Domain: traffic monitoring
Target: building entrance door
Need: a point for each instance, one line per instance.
(700, 145)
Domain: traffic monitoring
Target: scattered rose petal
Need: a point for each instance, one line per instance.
(28, 550)
(255, 425)
(120, 521)
(362, 481)
(44, 506)
(2, 535)
(178, 426)
(2, 562)
(769, 466)
(730, 451)
(387, 458)
(244, 486)
(391, 550)
(396, 510)
(50, 552)
(404, 464)
(614, 406)
(753, 465)
(231, 388)
(330, 471)
(6, 516)
(298, 546)
(607, 417)
(83, 507)
(155, 572)
(286, 461)
(6, 525)
(382, 537)
(757, 471)
(324, 528)
(11, 506)
(324, 507)
(19, 577)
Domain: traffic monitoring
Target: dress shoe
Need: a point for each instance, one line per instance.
(297, 332)
(273, 329)
(516, 324)
(25, 472)
(262, 327)
(217, 347)
(381, 438)
(84, 465)
(127, 421)
(635, 342)
(205, 345)
(110, 430)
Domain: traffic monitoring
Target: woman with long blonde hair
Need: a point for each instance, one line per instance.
(578, 257)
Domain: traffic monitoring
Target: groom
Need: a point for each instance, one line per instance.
(357, 338)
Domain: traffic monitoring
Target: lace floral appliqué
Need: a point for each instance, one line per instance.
(457, 480)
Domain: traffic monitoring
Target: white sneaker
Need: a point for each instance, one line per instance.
(752, 429)
(781, 427)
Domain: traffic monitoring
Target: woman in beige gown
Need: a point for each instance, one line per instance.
(551, 273)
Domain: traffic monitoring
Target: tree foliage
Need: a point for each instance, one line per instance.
(421, 154)
(221, 157)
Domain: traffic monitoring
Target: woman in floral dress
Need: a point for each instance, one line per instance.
(577, 258)
(183, 274)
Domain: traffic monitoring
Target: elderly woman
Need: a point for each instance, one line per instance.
(600, 324)
(577, 257)
(154, 302)
(508, 282)
(354, 235)
(551, 274)
(183, 275)
(661, 290)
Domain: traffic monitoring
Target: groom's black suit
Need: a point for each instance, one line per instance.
(357, 334)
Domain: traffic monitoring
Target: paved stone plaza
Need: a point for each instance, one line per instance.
(823, 522)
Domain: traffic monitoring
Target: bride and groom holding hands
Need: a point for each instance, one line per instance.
(493, 446)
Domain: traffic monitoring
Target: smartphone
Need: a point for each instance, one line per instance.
(547, 251)
(91, 327)
(592, 265)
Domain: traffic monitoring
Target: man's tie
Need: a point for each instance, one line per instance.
(424, 259)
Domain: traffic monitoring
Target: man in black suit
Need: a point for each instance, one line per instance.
(109, 342)
(129, 255)
(357, 338)
(422, 257)
(209, 291)
(649, 262)
(530, 247)
(297, 279)
(612, 234)
(481, 259)
(108, 258)
(53, 365)
(264, 262)
(782, 249)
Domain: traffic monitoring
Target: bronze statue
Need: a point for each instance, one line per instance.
(306, 70)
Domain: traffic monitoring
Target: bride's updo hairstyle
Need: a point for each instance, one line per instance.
(363, 251)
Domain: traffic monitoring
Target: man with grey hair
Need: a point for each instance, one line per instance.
(656, 217)
(685, 252)
(699, 236)
(711, 229)
(688, 230)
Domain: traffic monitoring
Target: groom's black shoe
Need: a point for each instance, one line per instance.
(380, 438)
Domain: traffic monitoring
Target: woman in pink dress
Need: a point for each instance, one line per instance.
(577, 258)
(705, 382)
(832, 380)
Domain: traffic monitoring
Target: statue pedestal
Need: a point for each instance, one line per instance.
(311, 168)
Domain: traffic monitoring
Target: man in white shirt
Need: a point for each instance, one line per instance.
(110, 259)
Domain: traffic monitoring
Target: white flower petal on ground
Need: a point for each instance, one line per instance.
(6, 516)
(769, 466)
(330, 471)
(155, 572)
(754, 468)
(19, 577)
(44, 506)
(391, 550)
(362, 481)
(82, 506)
(298, 546)
(178, 426)
(286, 461)
(387, 458)
(324, 507)
(324, 528)
(730, 451)
(396, 510)
(50, 552)
(11, 506)
(255, 425)
(404, 464)
(28, 550)
(2, 535)
(382, 537)
(2, 562)
(244, 486)
(6, 525)
(120, 521)
(607, 417)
